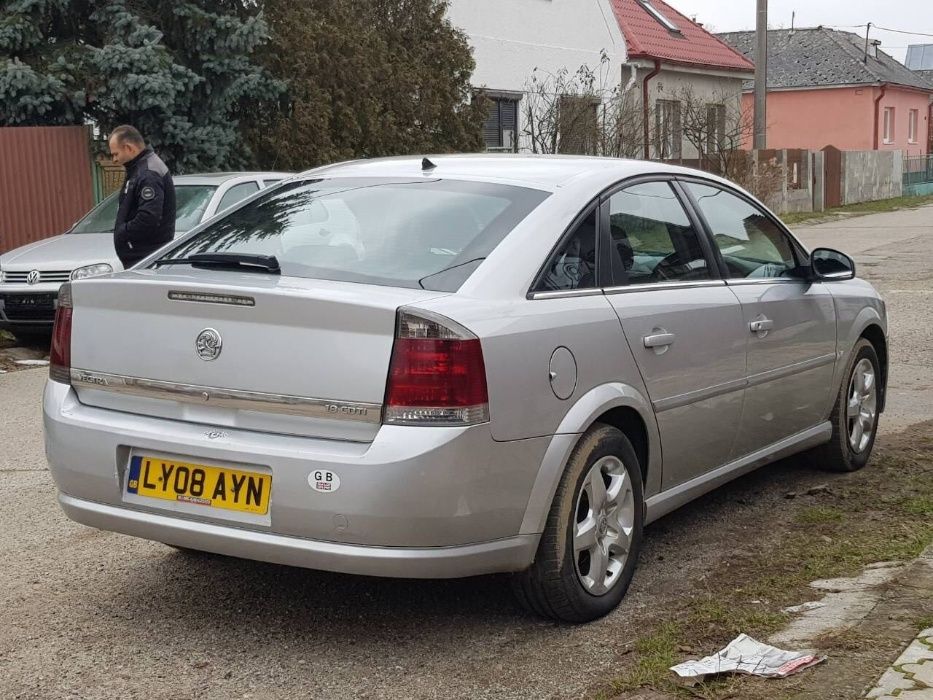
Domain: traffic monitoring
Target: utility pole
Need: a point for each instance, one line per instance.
(761, 78)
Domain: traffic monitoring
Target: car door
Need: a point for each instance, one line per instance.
(682, 323)
(789, 322)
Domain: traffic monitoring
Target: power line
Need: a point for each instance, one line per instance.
(875, 26)
(901, 31)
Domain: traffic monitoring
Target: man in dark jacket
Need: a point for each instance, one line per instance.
(146, 218)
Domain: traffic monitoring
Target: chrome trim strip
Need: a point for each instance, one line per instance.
(673, 402)
(781, 372)
(233, 399)
(741, 282)
(211, 298)
(628, 289)
(672, 499)
(566, 294)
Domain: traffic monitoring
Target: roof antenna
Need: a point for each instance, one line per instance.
(426, 164)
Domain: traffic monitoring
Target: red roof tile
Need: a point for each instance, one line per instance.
(648, 38)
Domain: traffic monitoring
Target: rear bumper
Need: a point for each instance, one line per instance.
(503, 555)
(415, 502)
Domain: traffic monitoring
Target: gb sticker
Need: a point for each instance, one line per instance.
(323, 481)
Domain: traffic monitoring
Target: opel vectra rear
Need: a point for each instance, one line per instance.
(458, 366)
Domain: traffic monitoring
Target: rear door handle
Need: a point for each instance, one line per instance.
(659, 340)
(761, 326)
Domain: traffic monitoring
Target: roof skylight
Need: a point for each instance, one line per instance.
(659, 16)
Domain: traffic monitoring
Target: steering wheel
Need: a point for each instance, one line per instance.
(666, 268)
(672, 269)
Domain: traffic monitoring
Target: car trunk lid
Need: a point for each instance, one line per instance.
(239, 350)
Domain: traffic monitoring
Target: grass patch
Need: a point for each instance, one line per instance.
(657, 652)
(820, 514)
(918, 506)
(882, 513)
(879, 207)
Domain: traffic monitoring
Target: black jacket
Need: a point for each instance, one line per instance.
(146, 218)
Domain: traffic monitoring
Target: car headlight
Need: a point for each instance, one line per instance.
(91, 271)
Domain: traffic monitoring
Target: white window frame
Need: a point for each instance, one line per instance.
(913, 121)
(889, 131)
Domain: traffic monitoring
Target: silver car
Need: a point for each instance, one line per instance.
(31, 275)
(458, 366)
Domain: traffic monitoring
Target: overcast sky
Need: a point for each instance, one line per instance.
(906, 15)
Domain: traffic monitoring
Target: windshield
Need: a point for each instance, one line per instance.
(429, 234)
(190, 203)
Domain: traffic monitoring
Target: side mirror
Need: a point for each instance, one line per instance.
(831, 266)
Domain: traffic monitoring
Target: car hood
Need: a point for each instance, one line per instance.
(66, 252)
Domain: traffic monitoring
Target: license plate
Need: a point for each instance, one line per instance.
(199, 484)
(33, 300)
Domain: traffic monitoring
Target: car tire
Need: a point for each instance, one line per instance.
(855, 415)
(562, 583)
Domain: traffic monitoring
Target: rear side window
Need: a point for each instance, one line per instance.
(573, 265)
(651, 237)
(428, 234)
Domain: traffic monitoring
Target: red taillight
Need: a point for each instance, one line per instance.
(437, 375)
(60, 355)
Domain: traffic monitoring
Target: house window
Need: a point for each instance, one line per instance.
(578, 125)
(668, 129)
(889, 124)
(912, 122)
(715, 128)
(500, 132)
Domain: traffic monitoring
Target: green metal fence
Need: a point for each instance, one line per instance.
(918, 175)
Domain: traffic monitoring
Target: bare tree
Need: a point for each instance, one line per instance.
(587, 111)
(717, 127)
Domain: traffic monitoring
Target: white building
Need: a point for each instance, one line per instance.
(510, 38)
(651, 48)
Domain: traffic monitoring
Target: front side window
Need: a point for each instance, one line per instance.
(421, 234)
(573, 265)
(751, 244)
(651, 237)
(912, 125)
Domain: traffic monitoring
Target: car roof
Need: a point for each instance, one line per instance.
(220, 178)
(547, 172)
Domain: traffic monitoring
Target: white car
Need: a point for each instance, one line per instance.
(30, 276)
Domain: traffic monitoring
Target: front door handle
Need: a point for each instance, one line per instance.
(761, 325)
(659, 340)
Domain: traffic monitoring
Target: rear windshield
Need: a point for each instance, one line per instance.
(428, 234)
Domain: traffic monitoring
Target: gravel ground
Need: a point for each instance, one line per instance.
(88, 614)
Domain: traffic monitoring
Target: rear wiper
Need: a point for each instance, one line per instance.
(242, 261)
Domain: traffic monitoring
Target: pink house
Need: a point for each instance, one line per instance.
(825, 89)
